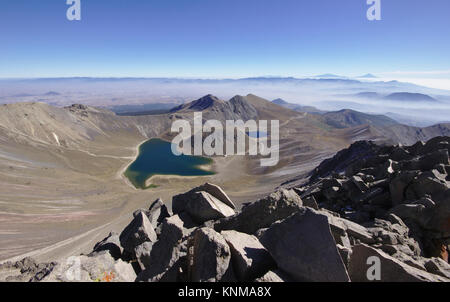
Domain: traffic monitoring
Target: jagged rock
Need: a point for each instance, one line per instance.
(310, 202)
(399, 184)
(401, 154)
(302, 245)
(157, 212)
(99, 267)
(436, 143)
(43, 270)
(394, 219)
(209, 256)
(142, 253)
(366, 178)
(391, 269)
(410, 260)
(214, 190)
(359, 183)
(382, 183)
(388, 169)
(166, 254)
(262, 213)
(111, 244)
(430, 160)
(201, 206)
(440, 219)
(438, 266)
(25, 270)
(188, 223)
(370, 195)
(331, 193)
(217, 192)
(249, 257)
(344, 159)
(137, 232)
(426, 184)
(416, 212)
(355, 230)
(345, 253)
(26, 264)
(274, 276)
(260, 232)
(394, 237)
(416, 148)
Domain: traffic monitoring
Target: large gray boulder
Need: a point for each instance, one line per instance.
(111, 244)
(142, 253)
(214, 190)
(262, 213)
(157, 212)
(302, 245)
(427, 184)
(100, 267)
(217, 192)
(341, 226)
(137, 232)
(274, 276)
(438, 266)
(201, 206)
(165, 256)
(250, 258)
(209, 256)
(391, 269)
(398, 185)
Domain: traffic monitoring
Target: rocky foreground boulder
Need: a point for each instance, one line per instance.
(371, 213)
(303, 246)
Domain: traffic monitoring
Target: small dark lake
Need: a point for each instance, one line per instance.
(156, 158)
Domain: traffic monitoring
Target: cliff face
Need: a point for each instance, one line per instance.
(389, 203)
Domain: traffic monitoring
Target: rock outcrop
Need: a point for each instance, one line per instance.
(371, 213)
(249, 256)
(137, 232)
(303, 246)
(391, 269)
(201, 205)
(408, 186)
(261, 214)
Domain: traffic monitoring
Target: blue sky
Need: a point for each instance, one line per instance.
(217, 38)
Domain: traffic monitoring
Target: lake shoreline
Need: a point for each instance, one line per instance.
(121, 173)
(201, 169)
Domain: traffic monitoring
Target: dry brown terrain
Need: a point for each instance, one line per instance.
(61, 183)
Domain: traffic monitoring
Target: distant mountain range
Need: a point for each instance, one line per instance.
(410, 97)
(367, 76)
(328, 92)
(397, 96)
(330, 76)
(296, 107)
(345, 118)
(335, 76)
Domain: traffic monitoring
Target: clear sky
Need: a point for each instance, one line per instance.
(218, 38)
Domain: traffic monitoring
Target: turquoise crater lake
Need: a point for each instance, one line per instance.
(156, 158)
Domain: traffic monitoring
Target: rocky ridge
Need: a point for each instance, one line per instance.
(391, 203)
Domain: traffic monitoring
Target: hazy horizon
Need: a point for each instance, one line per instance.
(227, 39)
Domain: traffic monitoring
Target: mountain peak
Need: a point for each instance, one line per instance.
(280, 102)
(201, 104)
(329, 76)
(368, 76)
(205, 102)
(407, 96)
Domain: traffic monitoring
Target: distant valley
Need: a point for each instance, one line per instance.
(62, 165)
